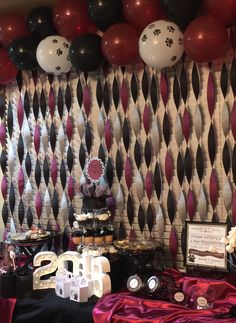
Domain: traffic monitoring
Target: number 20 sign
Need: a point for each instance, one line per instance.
(84, 265)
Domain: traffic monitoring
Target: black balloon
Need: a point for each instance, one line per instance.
(22, 52)
(105, 12)
(86, 52)
(181, 12)
(40, 22)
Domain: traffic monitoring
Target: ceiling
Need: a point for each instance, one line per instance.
(22, 6)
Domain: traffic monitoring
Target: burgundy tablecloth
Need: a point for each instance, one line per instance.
(7, 306)
(121, 308)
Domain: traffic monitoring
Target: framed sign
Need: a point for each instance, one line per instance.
(94, 169)
(203, 245)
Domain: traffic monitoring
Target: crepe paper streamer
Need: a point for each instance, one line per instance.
(224, 80)
(137, 153)
(54, 171)
(53, 137)
(184, 84)
(61, 139)
(181, 207)
(108, 135)
(183, 241)
(120, 203)
(88, 137)
(138, 186)
(3, 161)
(44, 136)
(124, 94)
(134, 88)
(43, 105)
(4, 187)
(210, 94)
(100, 125)
(233, 76)
(20, 112)
(119, 165)
(5, 214)
(141, 218)
(36, 105)
(145, 84)
(21, 212)
(106, 97)
(191, 204)
(188, 164)
(11, 159)
(86, 100)
(169, 167)
(195, 80)
(37, 173)
(115, 92)
(198, 122)
(60, 103)
(20, 149)
(158, 180)
(71, 191)
(186, 125)
(68, 98)
(166, 129)
(159, 229)
(225, 119)
(233, 120)
(81, 124)
(226, 158)
(55, 206)
(200, 163)
(82, 179)
(135, 120)
(26, 104)
(79, 92)
(28, 192)
(233, 208)
(130, 210)
(69, 128)
(128, 173)
(147, 153)
(99, 93)
(10, 119)
(126, 135)
(21, 181)
(38, 205)
(37, 138)
(155, 138)
(173, 243)
(46, 171)
(109, 171)
(150, 218)
(146, 119)
(71, 217)
(171, 206)
(176, 91)
(19, 80)
(64, 208)
(101, 154)
(117, 129)
(149, 184)
(202, 204)
(164, 88)
(178, 130)
(212, 144)
(153, 93)
(227, 194)
(63, 174)
(214, 189)
(2, 134)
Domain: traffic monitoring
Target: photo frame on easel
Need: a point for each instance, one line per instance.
(204, 248)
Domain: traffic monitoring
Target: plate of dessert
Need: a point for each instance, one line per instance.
(34, 234)
(134, 246)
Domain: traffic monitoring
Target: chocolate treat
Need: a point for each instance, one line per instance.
(98, 237)
(77, 237)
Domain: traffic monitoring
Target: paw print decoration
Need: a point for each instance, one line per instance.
(52, 55)
(161, 44)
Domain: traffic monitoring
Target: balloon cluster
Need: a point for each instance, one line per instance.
(83, 33)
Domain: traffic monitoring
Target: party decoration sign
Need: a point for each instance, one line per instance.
(95, 169)
(204, 246)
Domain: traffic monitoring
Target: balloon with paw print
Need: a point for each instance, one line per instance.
(53, 55)
(161, 44)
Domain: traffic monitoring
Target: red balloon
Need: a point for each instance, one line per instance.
(205, 39)
(224, 10)
(12, 26)
(140, 13)
(120, 44)
(7, 68)
(71, 18)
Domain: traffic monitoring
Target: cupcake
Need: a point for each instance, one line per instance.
(98, 237)
(77, 237)
(108, 236)
(88, 237)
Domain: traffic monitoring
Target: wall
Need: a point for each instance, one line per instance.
(169, 150)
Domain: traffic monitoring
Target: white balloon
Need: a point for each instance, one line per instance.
(53, 55)
(161, 44)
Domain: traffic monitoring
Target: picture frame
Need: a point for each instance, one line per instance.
(204, 248)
